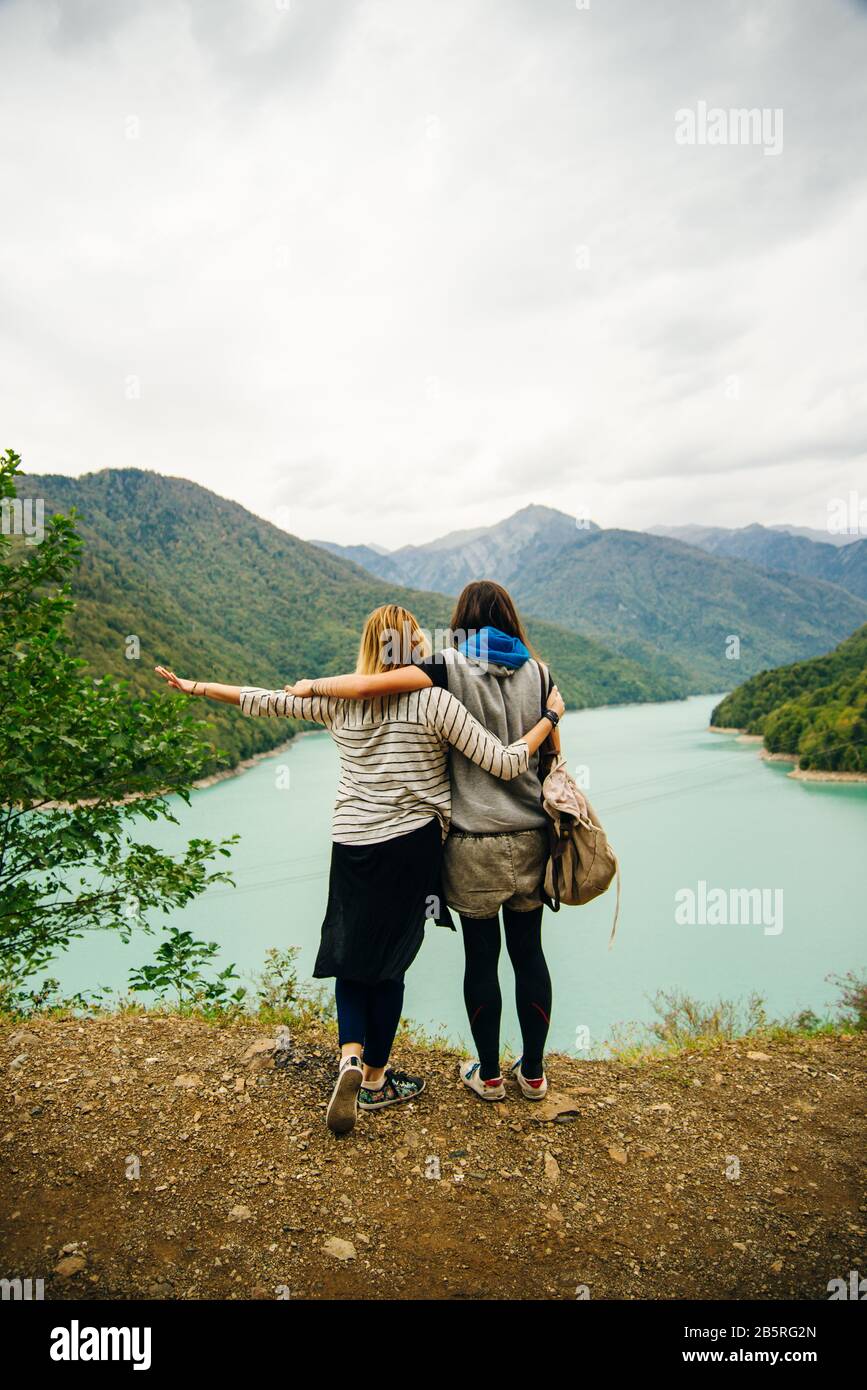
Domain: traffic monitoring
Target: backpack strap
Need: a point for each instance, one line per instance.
(543, 767)
(547, 755)
(545, 684)
(616, 906)
(555, 852)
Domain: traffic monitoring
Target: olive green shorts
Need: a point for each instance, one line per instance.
(482, 873)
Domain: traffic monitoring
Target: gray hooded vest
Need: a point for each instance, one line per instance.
(508, 703)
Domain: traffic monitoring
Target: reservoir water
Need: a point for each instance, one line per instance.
(682, 807)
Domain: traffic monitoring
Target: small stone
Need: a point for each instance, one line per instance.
(340, 1249)
(240, 1213)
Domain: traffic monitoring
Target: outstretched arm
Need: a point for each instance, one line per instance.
(209, 690)
(356, 687)
(253, 701)
(453, 722)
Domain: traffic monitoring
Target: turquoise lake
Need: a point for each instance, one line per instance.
(681, 806)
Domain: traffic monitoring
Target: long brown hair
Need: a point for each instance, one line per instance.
(484, 603)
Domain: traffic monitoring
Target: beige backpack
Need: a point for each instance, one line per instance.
(581, 863)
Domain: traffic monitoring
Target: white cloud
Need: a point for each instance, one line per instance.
(382, 270)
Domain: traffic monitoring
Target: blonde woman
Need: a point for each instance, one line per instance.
(391, 816)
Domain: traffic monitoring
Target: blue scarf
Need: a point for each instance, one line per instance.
(495, 647)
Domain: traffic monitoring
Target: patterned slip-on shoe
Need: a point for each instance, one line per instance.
(395, 1089)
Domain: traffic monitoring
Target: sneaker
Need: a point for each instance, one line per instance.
(395, 1089)
(488, 1090)
(536, 1089)
(341, 1113)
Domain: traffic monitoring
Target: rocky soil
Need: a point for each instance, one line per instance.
(160, 1157)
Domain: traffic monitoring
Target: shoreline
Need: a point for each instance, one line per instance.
(815, 774)
(202, 783)
(798, 774)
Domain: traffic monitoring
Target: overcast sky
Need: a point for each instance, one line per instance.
(379, 269)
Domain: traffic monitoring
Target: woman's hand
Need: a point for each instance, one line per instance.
(185, 687)
(555, 702)
(299, 688)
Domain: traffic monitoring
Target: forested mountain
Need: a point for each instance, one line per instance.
(769, 548)
(816, 710)
(655, 599)
(686, 604)
(210, 589)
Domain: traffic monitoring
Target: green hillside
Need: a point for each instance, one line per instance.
(816, 710)
(844, 565)
(641, 589)
(212, 590)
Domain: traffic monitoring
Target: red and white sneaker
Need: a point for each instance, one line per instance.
(486, 1090)
(531, 1090)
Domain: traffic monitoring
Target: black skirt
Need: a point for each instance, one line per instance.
(379, 897)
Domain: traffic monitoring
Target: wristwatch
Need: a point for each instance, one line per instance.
(554, 718)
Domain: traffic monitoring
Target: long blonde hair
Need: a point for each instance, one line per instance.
(391, 638)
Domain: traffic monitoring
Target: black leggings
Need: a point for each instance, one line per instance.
(482, 986)
(369, 1015)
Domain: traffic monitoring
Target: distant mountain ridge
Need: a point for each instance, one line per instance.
(654, 598)
(369, 557)
(773, 549)
(451, 561)
(812, 534)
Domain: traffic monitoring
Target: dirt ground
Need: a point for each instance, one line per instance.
(159, 1157)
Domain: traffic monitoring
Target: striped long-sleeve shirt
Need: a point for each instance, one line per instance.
(393, 755)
